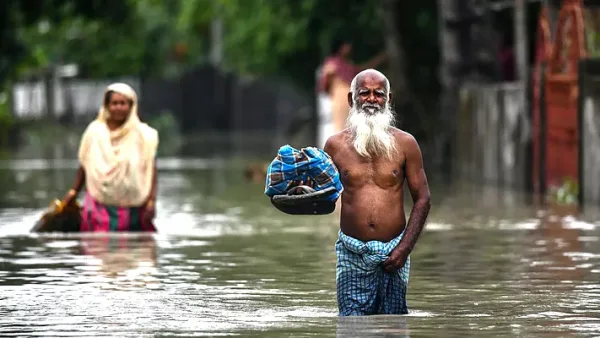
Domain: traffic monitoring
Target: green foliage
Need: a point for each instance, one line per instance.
(268, 32)
(164, 38)
(170, 139)
(591, 17)
(6, 126)
(7, 122)
(257, 33)
(567, 193)
(72, 37)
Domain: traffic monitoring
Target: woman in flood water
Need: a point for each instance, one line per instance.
(117, 164)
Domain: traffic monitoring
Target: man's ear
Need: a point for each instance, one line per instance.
(390, 98)
(350, 101)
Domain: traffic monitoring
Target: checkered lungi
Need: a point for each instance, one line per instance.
(363, 287)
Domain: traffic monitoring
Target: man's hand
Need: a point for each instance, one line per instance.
(327, 73)
(309, 182)
(396, 260)
(329, 68)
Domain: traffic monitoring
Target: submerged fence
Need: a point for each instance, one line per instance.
(494, 138)
(493, 135)
(589, 135)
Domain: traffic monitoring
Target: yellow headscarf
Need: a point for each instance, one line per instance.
(119, 164)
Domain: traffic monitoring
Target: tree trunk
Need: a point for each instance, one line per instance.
(450, 61)
(411, 113)
(396, 55)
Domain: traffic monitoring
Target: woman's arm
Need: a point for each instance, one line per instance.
(149, 208)
(152, 197)
(79, 182)
(79, 179)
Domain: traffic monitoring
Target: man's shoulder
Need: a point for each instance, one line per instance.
(406, 141)
(403, 136)
(336, 143)
(338, 138)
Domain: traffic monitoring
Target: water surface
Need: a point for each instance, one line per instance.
(226, 263)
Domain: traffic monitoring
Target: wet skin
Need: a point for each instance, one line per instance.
(372, 204)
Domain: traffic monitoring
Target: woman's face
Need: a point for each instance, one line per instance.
(119, 107)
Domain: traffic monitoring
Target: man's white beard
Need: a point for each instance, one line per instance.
(371, 126)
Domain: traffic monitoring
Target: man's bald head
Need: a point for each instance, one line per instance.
(369, 78)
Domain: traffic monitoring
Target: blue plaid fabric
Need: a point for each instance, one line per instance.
(363, 287)
(293, 165)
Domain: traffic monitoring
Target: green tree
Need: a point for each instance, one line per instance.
(284, 38)
(19, 19)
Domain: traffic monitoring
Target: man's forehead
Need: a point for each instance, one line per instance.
(371, 81)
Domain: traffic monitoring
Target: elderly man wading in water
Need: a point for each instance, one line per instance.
(374, 160)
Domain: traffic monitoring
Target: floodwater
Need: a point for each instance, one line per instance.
(226, 263)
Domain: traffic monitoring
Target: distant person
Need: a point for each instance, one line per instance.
(507, 59)
(374, 160)
(324, 113)
(117, 165)
(336, 75)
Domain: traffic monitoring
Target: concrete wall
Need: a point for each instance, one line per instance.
(493, 136)
(589, 124)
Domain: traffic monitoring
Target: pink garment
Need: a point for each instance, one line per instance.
(96, 217)
(344, 70)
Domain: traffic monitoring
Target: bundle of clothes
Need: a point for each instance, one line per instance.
(292, 166)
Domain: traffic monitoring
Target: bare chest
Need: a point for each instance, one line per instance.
(356, 171)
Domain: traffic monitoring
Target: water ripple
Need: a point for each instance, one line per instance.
(225, 263)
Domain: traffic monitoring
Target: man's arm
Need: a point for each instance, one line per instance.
(419, 190)
(326, 76)
(328, 148)
(374, 62)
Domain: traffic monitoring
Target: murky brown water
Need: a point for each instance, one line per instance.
(226, 263)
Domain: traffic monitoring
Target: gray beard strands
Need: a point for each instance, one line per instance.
(371, 126)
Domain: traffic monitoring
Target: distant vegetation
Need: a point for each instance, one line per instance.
(157, 38)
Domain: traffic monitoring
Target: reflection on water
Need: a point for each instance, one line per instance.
(372, 326)
(224, 262)
(127, 260)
